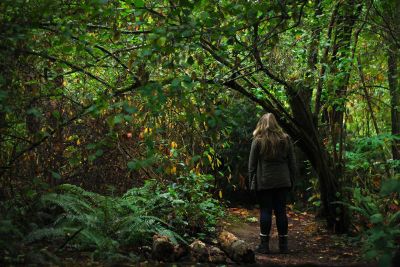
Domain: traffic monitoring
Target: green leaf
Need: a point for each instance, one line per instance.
(91, 146)
(3, 95)
(390, 186)
(118, 119)
(371, 254)
(92, 157)
(56, 114)
(99, 152)
(55, 175)
(394, 217)
(35, 112)
(176, 83)
(376, 218)
(385, 260)
(139, 3)
(130, 109)
(161, 41)
(128, 118)
(147, 52)
(133, 165)
(178, 202)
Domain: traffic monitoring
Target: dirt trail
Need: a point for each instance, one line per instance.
(309, 243)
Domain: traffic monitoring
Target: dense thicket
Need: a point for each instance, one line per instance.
(106, 95)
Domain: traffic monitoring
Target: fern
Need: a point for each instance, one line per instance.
(173, 236)
(43, 233)
(69, 203)
(104, 224)
(8, 231)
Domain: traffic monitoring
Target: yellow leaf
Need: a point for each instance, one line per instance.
(209, 158)
(167, 170)
(78, 142)
(197, 169)
(220, 193)
(219, 163)
(174, 145)
(380, 77)
(147, 130)
(173, 170)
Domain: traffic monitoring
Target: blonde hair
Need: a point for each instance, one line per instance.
(272, 137)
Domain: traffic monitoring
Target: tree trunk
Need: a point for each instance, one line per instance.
(310, 142)
(392, 31)
(347, 16)
(394, 98)
(236, 249)
(310, 138)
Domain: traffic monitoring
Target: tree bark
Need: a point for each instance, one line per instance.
(310, 142)
(236, 249)
(394, 98)
(391, 23)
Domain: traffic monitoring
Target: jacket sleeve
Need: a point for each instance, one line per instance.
(292, 162)
(253, 159)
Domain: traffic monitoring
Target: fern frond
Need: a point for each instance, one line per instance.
(173, 236)
(68, 202)
(44, 233)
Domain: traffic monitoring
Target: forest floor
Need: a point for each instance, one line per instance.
(310, 244)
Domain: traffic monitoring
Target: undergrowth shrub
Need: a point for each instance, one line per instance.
(185, 204)
(108, 226)
(378, 216)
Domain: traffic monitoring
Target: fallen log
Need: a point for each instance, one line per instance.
(217, 256)
(199, 251)
(163, 249)
(236, 249)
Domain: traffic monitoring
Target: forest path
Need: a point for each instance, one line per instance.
(309, 242)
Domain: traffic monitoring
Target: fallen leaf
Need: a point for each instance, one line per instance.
(317, 238)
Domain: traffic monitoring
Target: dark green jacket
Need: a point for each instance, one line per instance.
(276, 172)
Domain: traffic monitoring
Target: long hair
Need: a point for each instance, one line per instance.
(272, 137)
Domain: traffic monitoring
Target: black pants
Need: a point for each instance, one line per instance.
(273, 199)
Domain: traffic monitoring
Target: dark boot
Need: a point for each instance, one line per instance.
(263, 248)
(283, 244)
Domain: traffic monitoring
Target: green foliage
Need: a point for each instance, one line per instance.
(106, 225)
(185, 204)
(109, 93)
(379, 217)
(96, 222)
(8, 233)
(367, 153)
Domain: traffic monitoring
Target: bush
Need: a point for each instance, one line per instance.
(379, 217)
(111, 226)
(186, 204)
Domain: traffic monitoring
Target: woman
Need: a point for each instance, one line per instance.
(272, 170)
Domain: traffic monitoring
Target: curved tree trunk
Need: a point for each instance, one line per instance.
(303, 129)
(310, 141)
